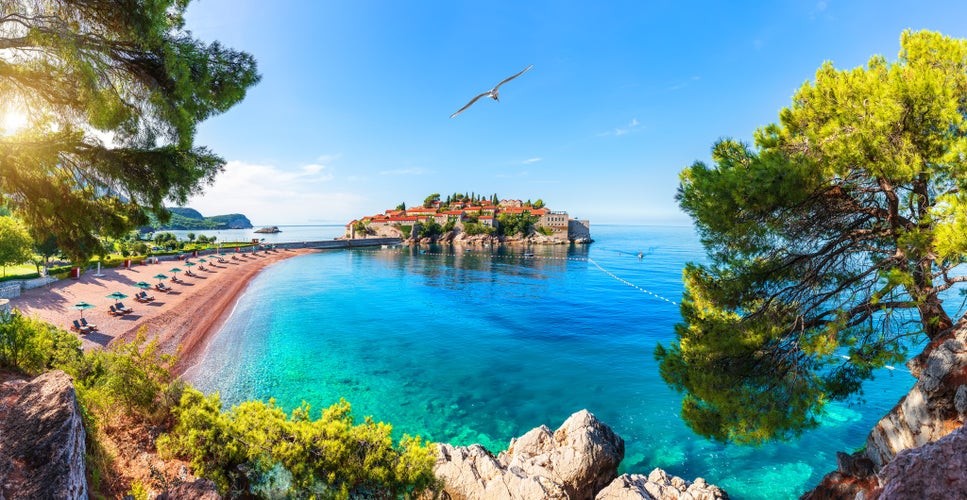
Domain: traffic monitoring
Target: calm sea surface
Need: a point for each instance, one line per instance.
(483, 346)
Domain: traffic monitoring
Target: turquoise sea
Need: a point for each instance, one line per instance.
(482, 346)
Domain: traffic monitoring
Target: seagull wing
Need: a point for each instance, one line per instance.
(512, 77)
(470, 103)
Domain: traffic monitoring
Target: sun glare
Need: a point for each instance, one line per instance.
(11, 122)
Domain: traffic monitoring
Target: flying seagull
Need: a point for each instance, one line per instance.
(492, 93)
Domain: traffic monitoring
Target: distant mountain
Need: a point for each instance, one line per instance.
(183, 218)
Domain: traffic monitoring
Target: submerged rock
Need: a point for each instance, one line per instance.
(41, 439)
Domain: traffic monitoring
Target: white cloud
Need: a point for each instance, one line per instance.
(405, 171)
(268, 194)
(683, 84)
(625, 130)
(531, 160)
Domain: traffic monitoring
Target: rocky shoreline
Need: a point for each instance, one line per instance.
(917, 450)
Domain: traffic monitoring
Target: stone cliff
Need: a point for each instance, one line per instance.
(41, 439)
(935, 407)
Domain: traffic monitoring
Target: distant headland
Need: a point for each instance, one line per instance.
(183, 218)
(470, 219)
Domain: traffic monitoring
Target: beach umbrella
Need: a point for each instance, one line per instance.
(189, 264)
(117, 296)
(143, 285)
(202, 260)
(81, 306)
(174, 270)
(160, 277)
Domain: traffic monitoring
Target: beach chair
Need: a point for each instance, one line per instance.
(124, 309)
(114, 312)
(80, 329)
(92, 326)
(161, 287)
(143, 297)
(146, 297)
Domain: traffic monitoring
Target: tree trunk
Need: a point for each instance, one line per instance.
(933, 317)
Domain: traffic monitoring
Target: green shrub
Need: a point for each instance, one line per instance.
(249, 447)
(31, 346)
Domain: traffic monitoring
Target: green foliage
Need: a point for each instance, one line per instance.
(165, 239)
(546, 231)
(406, 230)
(835, 235)
(429, 200)
(475, 228)
(135, 377)
(516, 224)
(131, 72)
(330, 457)
(31, 346)
(15, 243)
(430, 229)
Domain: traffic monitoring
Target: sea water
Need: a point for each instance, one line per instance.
(482, 346)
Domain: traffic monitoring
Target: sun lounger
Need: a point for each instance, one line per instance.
(80, 329)
(92, 326)
(162, 288)
(114, 312)
(124, 309)
(189, 273)
(143, 297)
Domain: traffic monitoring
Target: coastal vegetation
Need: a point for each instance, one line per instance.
(252, 448)
(110, 102)
(188, 219)
(831, 243)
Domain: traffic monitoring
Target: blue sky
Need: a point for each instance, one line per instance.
(352, 114)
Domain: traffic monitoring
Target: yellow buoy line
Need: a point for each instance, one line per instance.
(529, 257)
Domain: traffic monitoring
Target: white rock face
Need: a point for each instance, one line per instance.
(574, 462)
(659, 486)
(578, 461)
(933, 408)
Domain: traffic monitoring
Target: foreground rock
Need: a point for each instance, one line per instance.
(935, 470)
(577, 461)
(41, 439)
(934, 407)
(659, 485)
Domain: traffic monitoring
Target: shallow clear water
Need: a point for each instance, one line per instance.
(481, 347)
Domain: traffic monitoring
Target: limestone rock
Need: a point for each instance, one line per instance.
(41, 439)
(934, 470)
(929, 411)
(659, 486)
(200, 489)
(574, 462)
(934, 407)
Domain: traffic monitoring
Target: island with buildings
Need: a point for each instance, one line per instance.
(472, 219)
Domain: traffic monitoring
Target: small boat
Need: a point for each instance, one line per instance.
(528, 255)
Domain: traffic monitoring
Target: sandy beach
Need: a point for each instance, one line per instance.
(183, 317)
